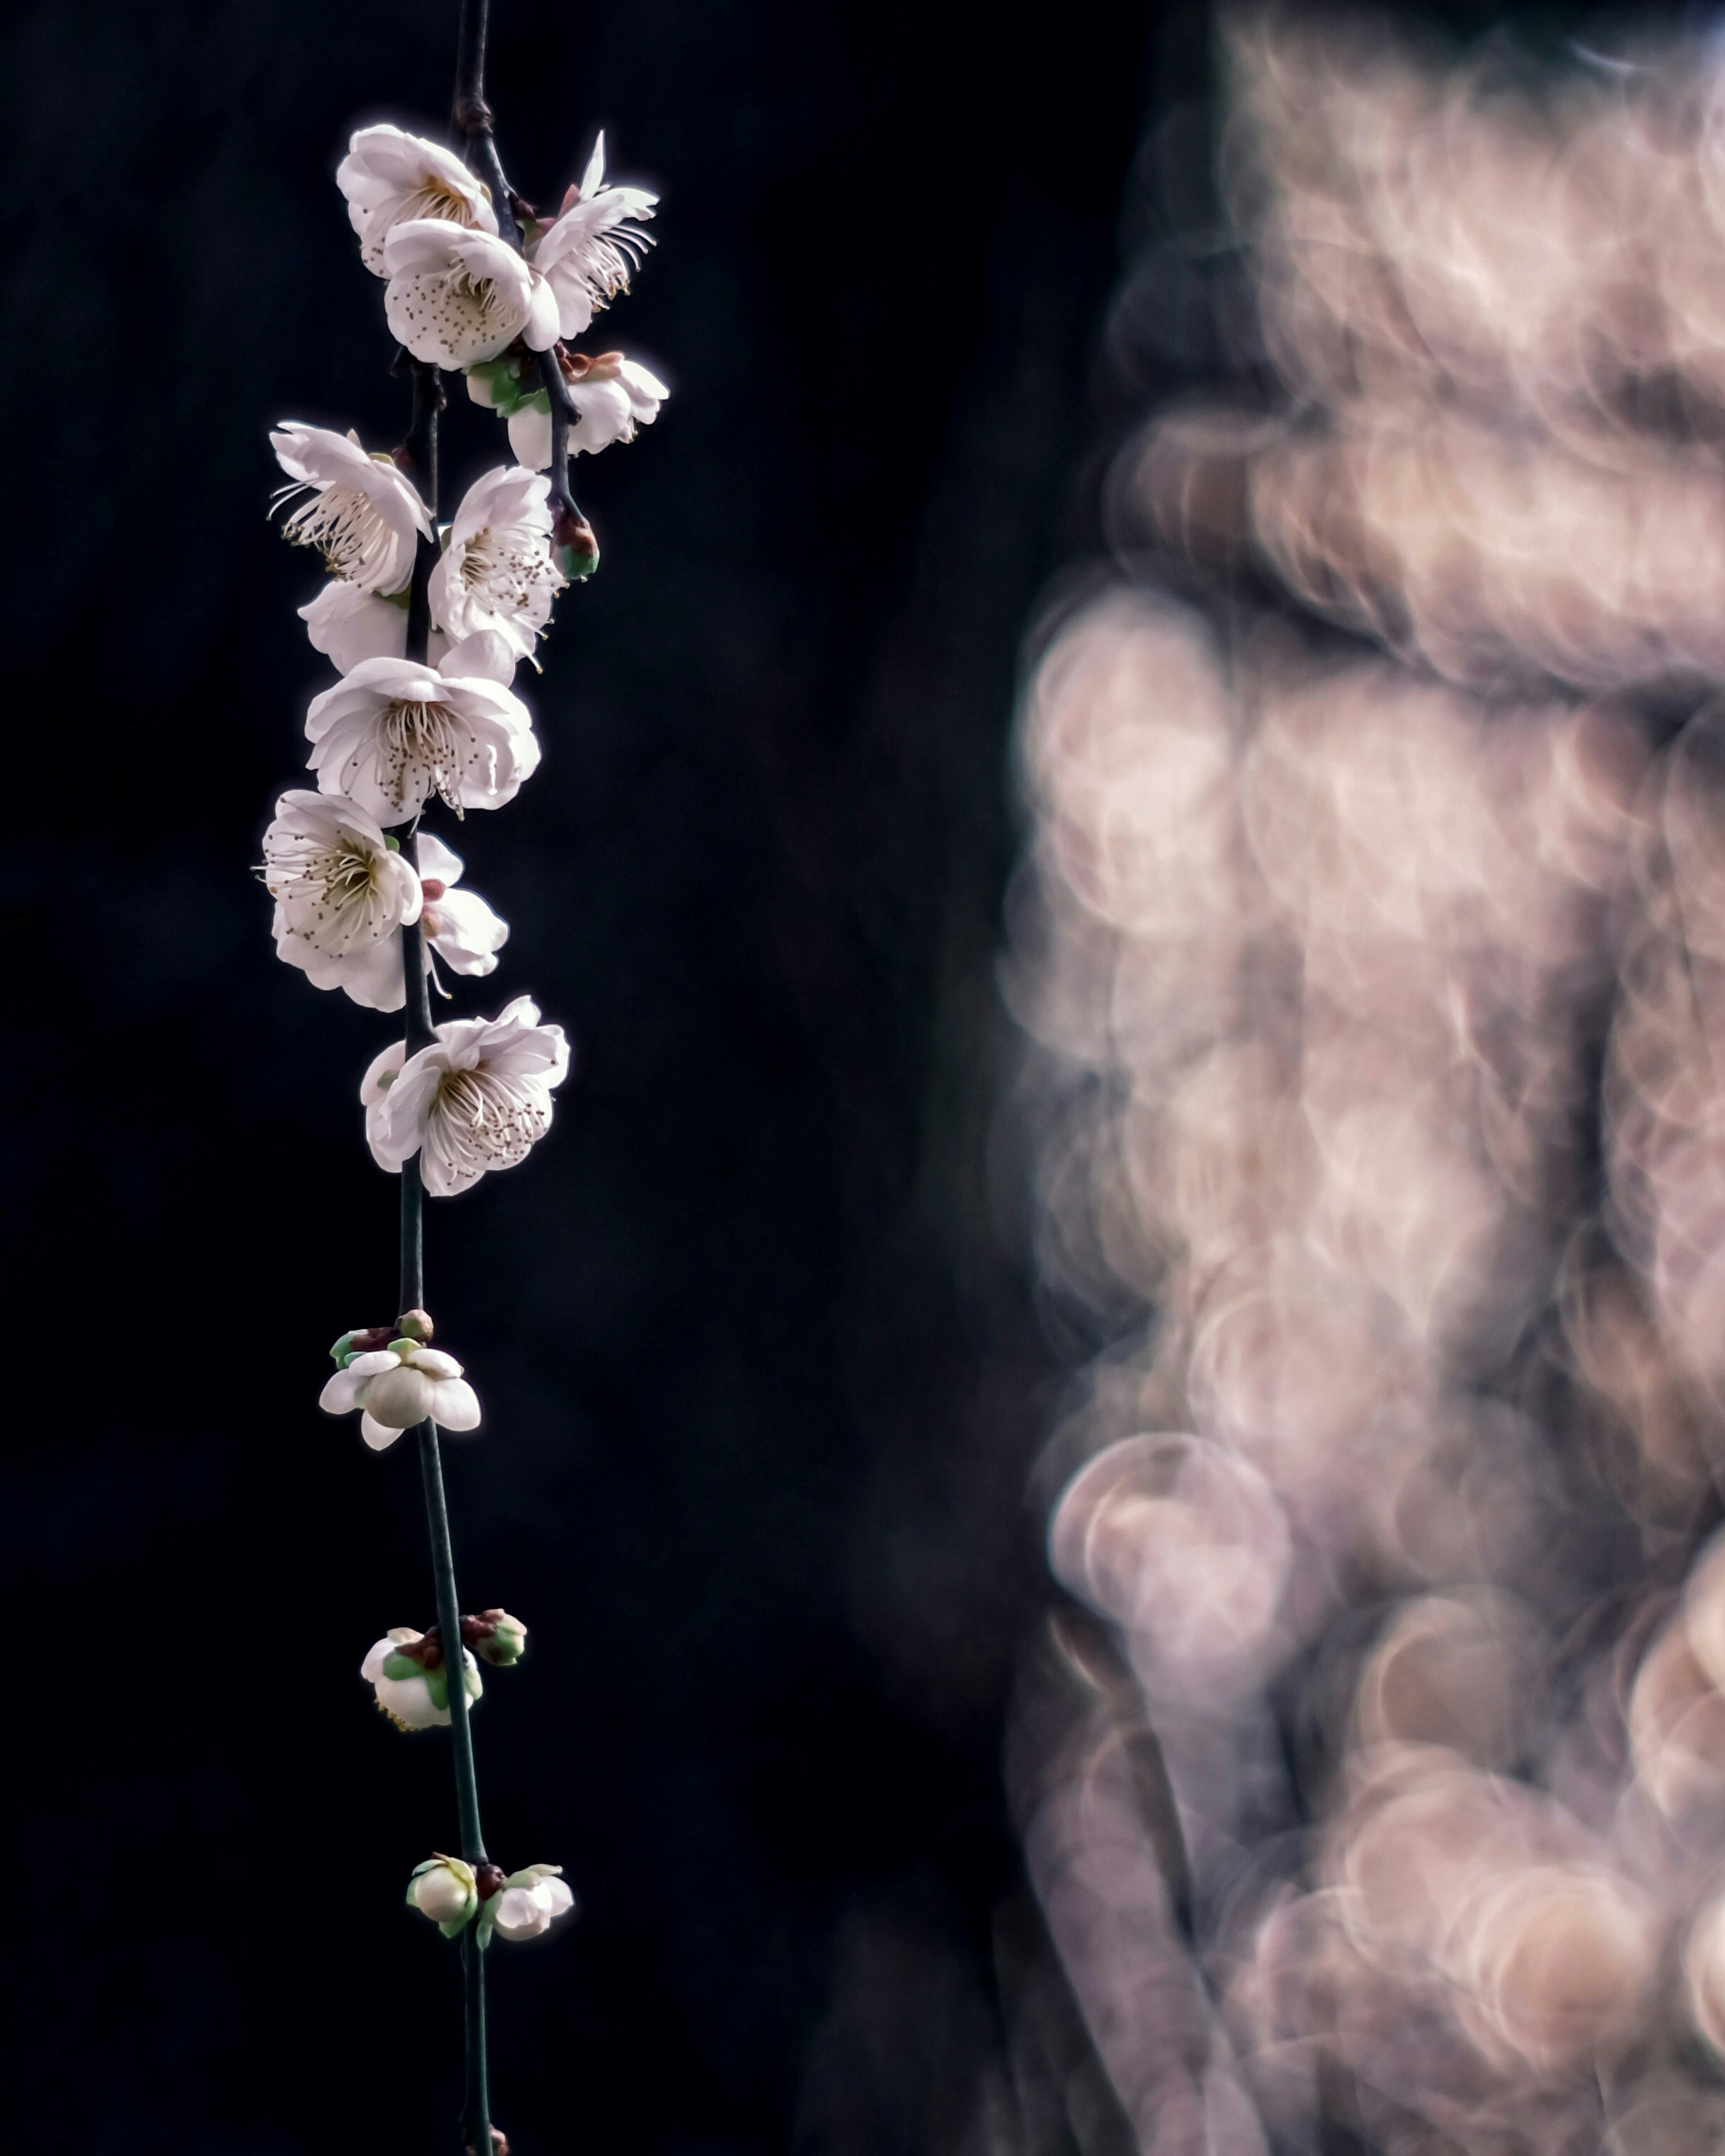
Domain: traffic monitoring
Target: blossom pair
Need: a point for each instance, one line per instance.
(457, 292)
(408, 1670)
(491, 593)
(344, 893)
(515, 1905)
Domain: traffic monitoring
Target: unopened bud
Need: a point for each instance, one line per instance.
(444, 1889)
(573, 541)
(416, 1324)
(495, 1637)
(488, 1879)
(499, 2143)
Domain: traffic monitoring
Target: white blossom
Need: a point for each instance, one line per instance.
(529, 1903)
(394, 732)
(477, 1098)
(399, 1386)
(391, 177)
(588, 250)
(363, 515)
(342, 897)
(458, 925)
(613, 395)
(456, 296)
(412, 1696)
(496, 572)
(348, 625)
(444, 1889)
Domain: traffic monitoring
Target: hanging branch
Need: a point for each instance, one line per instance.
(482, 286)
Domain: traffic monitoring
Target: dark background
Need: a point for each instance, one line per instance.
(762, 1369)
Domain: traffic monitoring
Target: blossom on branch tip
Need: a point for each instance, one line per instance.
(588, 251)
(477, 1098)
(496, 572)
(455, 296)
(391, 177)
(407, 1671)
(342, 897)
(447, 1890)
(363, 515)
(398, 1386)
(393, 733)
(528, 1903)
(458, 925)
(613, 395)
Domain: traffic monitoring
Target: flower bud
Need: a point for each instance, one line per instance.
(444, 1889)
(495, 1637)
(399, 1397)
(414, 1325)
(572, 542)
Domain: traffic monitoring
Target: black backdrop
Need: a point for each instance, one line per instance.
(761, 1368)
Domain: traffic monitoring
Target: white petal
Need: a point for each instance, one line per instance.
(435, 858)
(377, 1435)
(455, 1405)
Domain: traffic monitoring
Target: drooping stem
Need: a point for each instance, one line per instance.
(419, 453)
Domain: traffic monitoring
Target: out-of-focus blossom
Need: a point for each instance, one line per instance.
(342, 897)
(497, 1638)
(587, 253)
(456, 296)
(613, 395)
(411, 1684)
(392, 733)
(459, 925)
(477, 1099)
(391, 177)
(363, 515)
(496, 574)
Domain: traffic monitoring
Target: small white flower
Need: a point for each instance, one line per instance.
(399, 1386)
(459, 926)
(613, 395)
(363, 515)
(476, 1099)
(444, 1889)
(412, 1696)
(588, 252)
(342, 897)
(455, 297)
(530, 1900)
(391, 177)
(392, 733)
(496, 572)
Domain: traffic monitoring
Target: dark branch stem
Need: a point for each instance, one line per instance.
(472, 116)
(420, 454)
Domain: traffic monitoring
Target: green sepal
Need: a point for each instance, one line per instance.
(437, 1683)
(392, 842)
(576, 567)
(454, 1930)
(341, 1354)
(400, 1668)
(403, 1346)
(506, 395)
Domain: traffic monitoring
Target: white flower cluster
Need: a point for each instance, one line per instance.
(458, 295)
